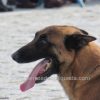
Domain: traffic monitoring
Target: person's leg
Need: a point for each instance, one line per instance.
(4, 8)
(75, 1)
(25, 4)
(53, 3)
(22, 1)
(35, 1)
(11, 2)
(38, 2)
(81, 2)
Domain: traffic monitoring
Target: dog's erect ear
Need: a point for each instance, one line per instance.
(77, 41)
(84, 32)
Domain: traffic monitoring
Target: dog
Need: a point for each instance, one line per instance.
(68, 51)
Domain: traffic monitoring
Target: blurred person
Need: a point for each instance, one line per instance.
(26, 3)
(11, 2)
(3, 7)
(53, 3)
(59, 3)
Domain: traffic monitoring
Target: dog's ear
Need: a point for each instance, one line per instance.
(77, 41)
(84, 32)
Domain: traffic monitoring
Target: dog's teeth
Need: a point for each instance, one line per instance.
(46, 69)
(48, 65)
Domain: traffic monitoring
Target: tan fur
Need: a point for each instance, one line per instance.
(85, 63)
(84, 66)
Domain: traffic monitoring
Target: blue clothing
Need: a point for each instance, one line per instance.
(81, 2)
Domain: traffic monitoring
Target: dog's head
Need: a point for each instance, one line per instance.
(57, 45)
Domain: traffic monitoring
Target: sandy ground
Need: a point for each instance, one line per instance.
(18, 28)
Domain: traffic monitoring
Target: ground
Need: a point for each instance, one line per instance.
(18, 28)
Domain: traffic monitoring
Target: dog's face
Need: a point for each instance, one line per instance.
(57, 44)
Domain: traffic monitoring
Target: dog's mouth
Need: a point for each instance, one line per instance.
(40, 73)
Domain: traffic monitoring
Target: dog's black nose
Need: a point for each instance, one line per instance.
(15, 56)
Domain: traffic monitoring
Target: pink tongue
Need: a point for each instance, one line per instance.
(30, 82)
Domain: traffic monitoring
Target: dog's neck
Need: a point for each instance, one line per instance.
(85, 65)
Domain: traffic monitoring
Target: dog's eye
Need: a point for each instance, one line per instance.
(43, 37)
(42, 41)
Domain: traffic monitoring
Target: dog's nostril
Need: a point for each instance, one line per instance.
(14, 56)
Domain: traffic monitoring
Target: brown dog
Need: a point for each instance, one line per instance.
(68, 52)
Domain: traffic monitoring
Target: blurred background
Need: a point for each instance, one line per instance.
(18, 27)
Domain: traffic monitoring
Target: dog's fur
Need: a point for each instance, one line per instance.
(78, 57)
